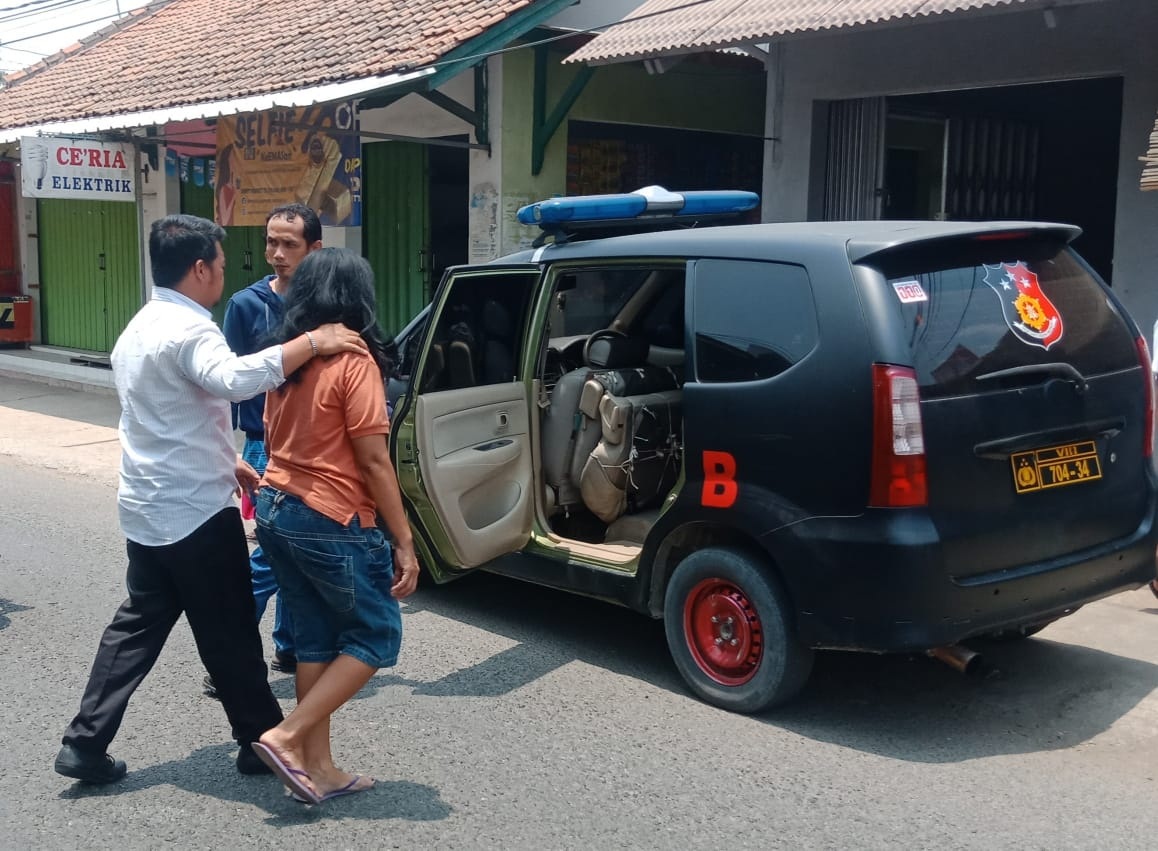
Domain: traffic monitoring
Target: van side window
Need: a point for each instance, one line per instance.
(588, 300)
(479, 331)
(752, 320)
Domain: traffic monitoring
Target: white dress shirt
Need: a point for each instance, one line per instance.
(175, 376)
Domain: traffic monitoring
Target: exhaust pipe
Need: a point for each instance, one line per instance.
(962, 659)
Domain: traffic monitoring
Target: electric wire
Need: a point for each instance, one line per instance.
(42, 5)
(52, 10)
(33, 13)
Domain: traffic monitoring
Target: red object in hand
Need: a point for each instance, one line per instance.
(247, 510)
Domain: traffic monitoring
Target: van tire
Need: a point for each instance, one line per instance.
(730, 630)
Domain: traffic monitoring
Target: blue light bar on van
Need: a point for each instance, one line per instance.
(651, 201)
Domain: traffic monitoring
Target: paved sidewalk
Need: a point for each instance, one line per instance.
(58, 366)
(60, 428)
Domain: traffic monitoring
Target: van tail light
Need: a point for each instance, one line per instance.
(1148, 420)
(898, 462)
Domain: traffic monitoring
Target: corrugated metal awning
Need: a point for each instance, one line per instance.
(667, 27)
(255, 103)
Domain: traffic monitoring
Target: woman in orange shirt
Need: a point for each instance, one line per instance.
(328, 483)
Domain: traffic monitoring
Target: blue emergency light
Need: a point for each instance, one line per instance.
(648, 202)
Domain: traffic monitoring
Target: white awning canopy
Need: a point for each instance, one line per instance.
(325, 93)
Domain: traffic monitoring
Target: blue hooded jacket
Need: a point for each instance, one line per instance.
(251, 316)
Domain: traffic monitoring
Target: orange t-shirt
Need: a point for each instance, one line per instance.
(309, 428)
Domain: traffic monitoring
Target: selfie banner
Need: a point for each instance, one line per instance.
(311, 155)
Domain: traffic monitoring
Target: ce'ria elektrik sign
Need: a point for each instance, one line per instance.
(80, 169)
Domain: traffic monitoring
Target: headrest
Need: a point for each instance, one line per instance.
(617, 352)
(496, 320)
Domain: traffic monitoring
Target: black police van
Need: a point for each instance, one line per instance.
(877, 436)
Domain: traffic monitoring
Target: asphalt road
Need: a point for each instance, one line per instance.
(523, 718)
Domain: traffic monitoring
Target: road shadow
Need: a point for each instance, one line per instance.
(1046, 695)
(100, 409)
(1043, 695)
(7, 607)
(209, 771)
(551, 629)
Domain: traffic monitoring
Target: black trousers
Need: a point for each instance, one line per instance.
(206, 576)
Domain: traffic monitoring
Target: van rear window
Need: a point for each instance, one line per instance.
(1030, 304)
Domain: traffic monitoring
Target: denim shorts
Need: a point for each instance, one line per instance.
(335, 579)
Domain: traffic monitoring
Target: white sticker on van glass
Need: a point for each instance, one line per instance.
(910, 291)
(1028, 312)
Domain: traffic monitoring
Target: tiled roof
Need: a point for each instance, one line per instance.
(660, 27)
(201, 51)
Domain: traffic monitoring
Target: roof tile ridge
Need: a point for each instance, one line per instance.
(127, 19)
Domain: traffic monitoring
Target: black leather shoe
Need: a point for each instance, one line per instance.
(210, 688)
(284, 663)
(89, 767)
(248, 762)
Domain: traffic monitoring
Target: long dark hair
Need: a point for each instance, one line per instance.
(334, 285)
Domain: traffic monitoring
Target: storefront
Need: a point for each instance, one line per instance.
(86, 198)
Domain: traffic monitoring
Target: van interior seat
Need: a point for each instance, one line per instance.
(498, 361)
(616, 365)
(665, 356)
(480, 352)
(637, 458)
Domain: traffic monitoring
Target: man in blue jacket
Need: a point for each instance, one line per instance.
(291, 232)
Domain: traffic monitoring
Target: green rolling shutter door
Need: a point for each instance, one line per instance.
(89, 272)
(396, 228)
(244, 262)
(244, 246)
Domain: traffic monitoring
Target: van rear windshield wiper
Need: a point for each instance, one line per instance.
(1065, 371)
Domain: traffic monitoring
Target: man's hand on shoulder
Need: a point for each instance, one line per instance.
(334, 337)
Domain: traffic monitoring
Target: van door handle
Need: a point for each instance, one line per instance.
(1001, 449)
(1062, 370)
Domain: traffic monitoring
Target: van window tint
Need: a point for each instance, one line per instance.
(1036, 306)
(753, 320)
(588, 300)
(478, 333)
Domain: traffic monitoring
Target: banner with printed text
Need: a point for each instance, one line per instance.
(78, 169)
(311, 155)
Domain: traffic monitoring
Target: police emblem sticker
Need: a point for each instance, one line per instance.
(910, 291)
(1028, 312)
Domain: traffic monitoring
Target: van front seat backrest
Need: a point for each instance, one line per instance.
(616, 365)
(637, 460)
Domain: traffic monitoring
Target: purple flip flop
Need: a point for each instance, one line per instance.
(291, 777)
(348, 789)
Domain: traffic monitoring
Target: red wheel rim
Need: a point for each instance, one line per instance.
(723, 632)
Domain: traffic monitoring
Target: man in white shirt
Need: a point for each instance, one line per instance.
(175, 377)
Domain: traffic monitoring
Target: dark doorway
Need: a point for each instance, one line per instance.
(1047, 151)
(902, 181)
(449, 207)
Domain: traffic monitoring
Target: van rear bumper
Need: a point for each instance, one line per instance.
(877, 582)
